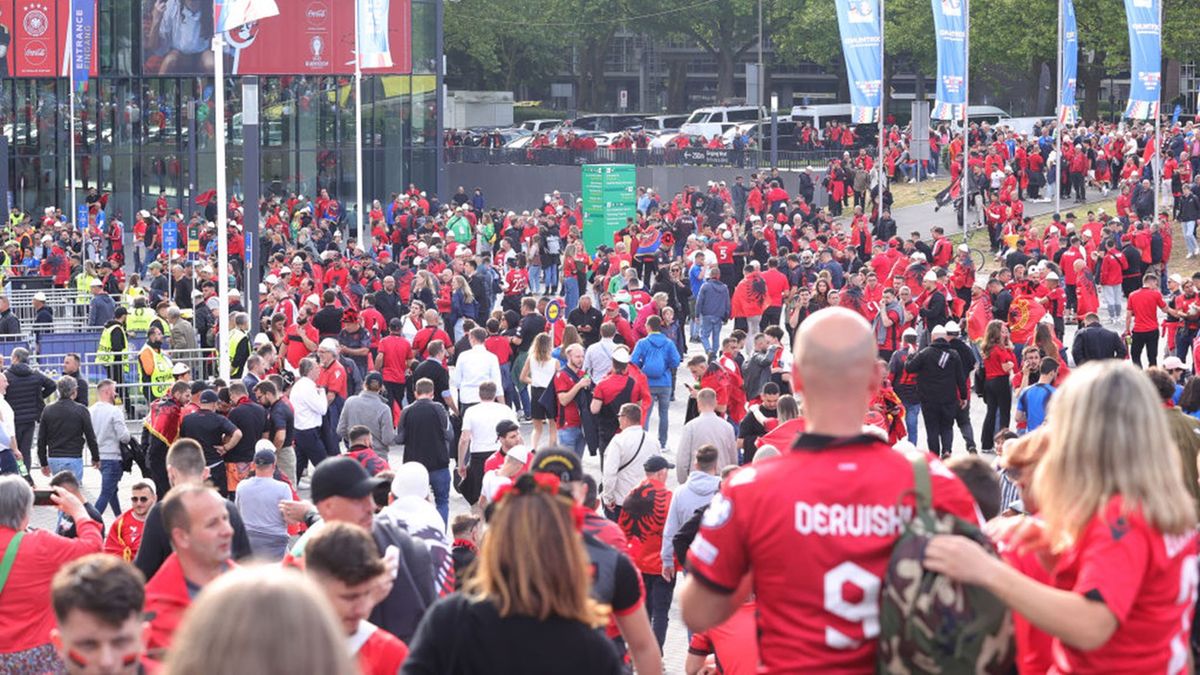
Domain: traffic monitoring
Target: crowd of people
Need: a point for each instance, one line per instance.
(495, 357)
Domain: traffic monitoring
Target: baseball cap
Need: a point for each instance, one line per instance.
(39, 296)
(209, 396)
(620, 354)
(341, 477)
(180, 369)
(963, 248)
(1051, 276)
(909, 332)
(518, 454)
(1173, 363)
(612, 306)
(938, 331)
(953, 328)
(506, 427)
(264, 456)
(657, 463)
(931, 276)
(562, 463)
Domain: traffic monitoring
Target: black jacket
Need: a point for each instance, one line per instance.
(1094, 342)
(940, 376)
(27, 391)
(66, 426)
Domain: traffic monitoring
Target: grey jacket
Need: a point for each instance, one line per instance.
(369, 410)
(698, 491)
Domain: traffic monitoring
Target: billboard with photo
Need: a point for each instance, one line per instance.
(309, 37)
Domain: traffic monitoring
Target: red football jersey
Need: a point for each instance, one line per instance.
(816, 527)
(1146, 579)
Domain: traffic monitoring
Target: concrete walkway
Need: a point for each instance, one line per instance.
(922, 218)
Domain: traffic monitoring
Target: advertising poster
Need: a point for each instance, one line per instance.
(309, 37)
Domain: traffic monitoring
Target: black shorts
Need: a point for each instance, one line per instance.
(536, 410)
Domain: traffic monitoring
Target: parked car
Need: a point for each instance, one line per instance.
(663, 123)
(534, 126)
(716, 119)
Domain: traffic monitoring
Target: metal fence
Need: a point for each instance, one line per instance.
(647, 157)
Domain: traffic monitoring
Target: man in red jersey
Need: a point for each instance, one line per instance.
(1141, 320)
(344, 561)
(823, 516)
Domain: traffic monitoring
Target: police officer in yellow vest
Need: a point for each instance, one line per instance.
(160, 320)
(154, 368)
(239, 345)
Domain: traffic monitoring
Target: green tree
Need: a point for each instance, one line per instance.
(490, 45)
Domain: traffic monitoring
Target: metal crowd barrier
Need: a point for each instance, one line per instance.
(719, 157)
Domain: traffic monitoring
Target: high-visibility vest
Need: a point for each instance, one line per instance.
(138, 320)
(104, 351)
(162, 378)
(236, 337)
(162, 324)
(134, 292)
(83, 288)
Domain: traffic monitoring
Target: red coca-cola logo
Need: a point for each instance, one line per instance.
(316, 13)
(36, 52)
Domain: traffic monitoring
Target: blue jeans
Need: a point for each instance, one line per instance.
(1189, 236)
(570, 292)
(439, 481)
(110, 477)
(710, 334)
(662, 397)
(535, 279)
(572, 439)
(659, 592)
(75, 466)
(550, 278)
(912, 413)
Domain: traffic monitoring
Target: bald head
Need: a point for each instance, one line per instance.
(836, 369)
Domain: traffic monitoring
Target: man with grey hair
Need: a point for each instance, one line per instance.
(27, 646)
(66, 426)
(27, 392)
(309, 405)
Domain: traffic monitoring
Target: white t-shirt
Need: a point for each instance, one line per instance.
(481, 420)
(542, 373)
(492, 482)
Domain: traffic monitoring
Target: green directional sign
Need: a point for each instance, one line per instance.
(609, 197)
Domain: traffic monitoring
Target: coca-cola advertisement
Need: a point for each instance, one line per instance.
(307, 37)
(35, 38)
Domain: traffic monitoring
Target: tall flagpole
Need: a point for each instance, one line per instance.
(882, 92)
(71, 104)
(966, 173)
(358, 127)
(1157, 156)
(1058, 125)
(218, 45)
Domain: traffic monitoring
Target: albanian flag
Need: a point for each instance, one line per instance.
(1023, 317)
(978, 316)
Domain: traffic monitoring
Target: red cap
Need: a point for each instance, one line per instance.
(350, 316)
(612, 306)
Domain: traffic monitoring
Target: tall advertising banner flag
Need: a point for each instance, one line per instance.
(858, 23)
(373, 48)
(231, 14)
(83, 34)
(1070, 60)
(1145, 58)
(950, 27)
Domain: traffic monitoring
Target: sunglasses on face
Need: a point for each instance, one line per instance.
(140, 500)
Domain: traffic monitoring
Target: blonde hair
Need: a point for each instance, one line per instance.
(460, 284)
(263, 620)
(541, 347)
(1109, 436)
(532, 562)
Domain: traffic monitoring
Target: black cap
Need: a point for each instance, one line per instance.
(264, 457)
(562, 463)
(506, 427)
(341, 477)
(209, 396)
(657, 463)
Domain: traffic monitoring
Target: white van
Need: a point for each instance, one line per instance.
(717, 119)
(817, 116)
(977, 114)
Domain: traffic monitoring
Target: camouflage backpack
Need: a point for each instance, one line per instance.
(930, 624)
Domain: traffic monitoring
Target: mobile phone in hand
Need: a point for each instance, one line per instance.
(42, 498)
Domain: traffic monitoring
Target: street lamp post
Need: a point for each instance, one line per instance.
(774, 130)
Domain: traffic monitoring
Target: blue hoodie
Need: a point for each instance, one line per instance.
(656, 348)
